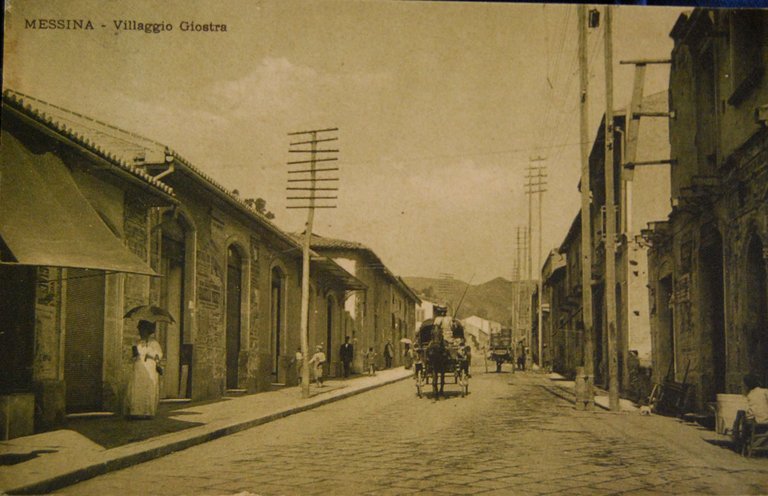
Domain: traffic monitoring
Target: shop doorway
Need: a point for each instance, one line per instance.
(84, 340)
(234, 294)
(712, 314)
(17, 328)
(755, 307)
(276, 319)
(174, 382)
(329, 335)
(666, 327)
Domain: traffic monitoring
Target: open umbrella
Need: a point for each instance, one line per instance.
(406, 341)
(150, 313)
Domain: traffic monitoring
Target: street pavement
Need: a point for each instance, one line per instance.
(514, 434)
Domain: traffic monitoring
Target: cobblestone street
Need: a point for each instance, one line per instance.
(514, 434)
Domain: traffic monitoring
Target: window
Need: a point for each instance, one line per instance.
(747, 42)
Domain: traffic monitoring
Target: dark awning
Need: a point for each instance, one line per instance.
(335, 271)
(45, 219)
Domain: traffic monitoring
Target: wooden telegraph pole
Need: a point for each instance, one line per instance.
(587, 399)
(536, 180)
(307, 175)
(610, 222)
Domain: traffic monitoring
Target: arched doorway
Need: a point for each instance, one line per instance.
(329, 322)
(666, 331)
(234, 299)
(276, 319)
(755, 309)
(711, 298)
(173, 259)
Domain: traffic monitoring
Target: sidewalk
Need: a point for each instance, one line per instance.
(47, 461)
(601, 397)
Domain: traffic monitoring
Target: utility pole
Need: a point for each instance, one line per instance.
(586, 227)
(307, 176)
(516, 307)
(536, 180)
(610, 222)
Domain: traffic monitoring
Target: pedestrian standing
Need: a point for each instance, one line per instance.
(468, 353)
(389, 352)
(346, 353)
(408, 356)
(370, 361)
(144, 389)
(316, 362)
(298, 362)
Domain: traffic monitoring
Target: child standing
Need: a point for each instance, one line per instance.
(370, 361)
(298, 361)
(317, 361)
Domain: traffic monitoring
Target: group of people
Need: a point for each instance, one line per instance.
(143, 395)
(346, 355)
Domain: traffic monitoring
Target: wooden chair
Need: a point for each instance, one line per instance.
(757, 439)
(750, 436)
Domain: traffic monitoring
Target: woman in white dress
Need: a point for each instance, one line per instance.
(143, 387)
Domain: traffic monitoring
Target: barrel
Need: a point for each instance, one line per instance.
(727, 406)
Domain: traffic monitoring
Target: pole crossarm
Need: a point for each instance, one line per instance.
(310, 186)
(313, 170)
(645, 61)
(296, 133)
(311, 189)
(313, 151)
(669, 115)
(312, 161)
(304, 180)
(309, 142)
(663, 161)
(310, 206)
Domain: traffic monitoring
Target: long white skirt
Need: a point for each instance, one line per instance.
(143, 389)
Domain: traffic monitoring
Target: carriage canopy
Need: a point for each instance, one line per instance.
(451, 329)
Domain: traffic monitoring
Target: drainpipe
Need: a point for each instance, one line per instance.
(171, 168)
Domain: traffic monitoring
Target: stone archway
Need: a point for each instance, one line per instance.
(755, 308)
(234, 298)
(712, 316)
(277, 324)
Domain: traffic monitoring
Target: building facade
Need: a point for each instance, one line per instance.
(91, 216)
(708, 261)
(384, 311)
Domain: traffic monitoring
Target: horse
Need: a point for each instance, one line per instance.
(436, 353)
(439, 359)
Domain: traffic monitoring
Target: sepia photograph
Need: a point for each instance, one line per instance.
(381, 247)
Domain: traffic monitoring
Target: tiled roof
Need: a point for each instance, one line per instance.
(323, 243)
(124, 149)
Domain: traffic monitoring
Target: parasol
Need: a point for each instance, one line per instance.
(150, 313)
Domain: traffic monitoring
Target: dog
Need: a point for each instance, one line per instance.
(645, 410)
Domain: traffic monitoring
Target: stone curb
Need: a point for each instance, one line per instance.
(120, 462)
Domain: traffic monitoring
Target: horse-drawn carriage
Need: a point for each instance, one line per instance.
(441, 349)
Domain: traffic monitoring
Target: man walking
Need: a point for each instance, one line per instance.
(346, 353)
(389, 352)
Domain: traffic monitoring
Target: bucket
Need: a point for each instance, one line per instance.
(727, 406)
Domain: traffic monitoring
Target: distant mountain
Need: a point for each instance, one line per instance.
(490, 300)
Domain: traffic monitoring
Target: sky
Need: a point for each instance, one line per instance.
(440, 106)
